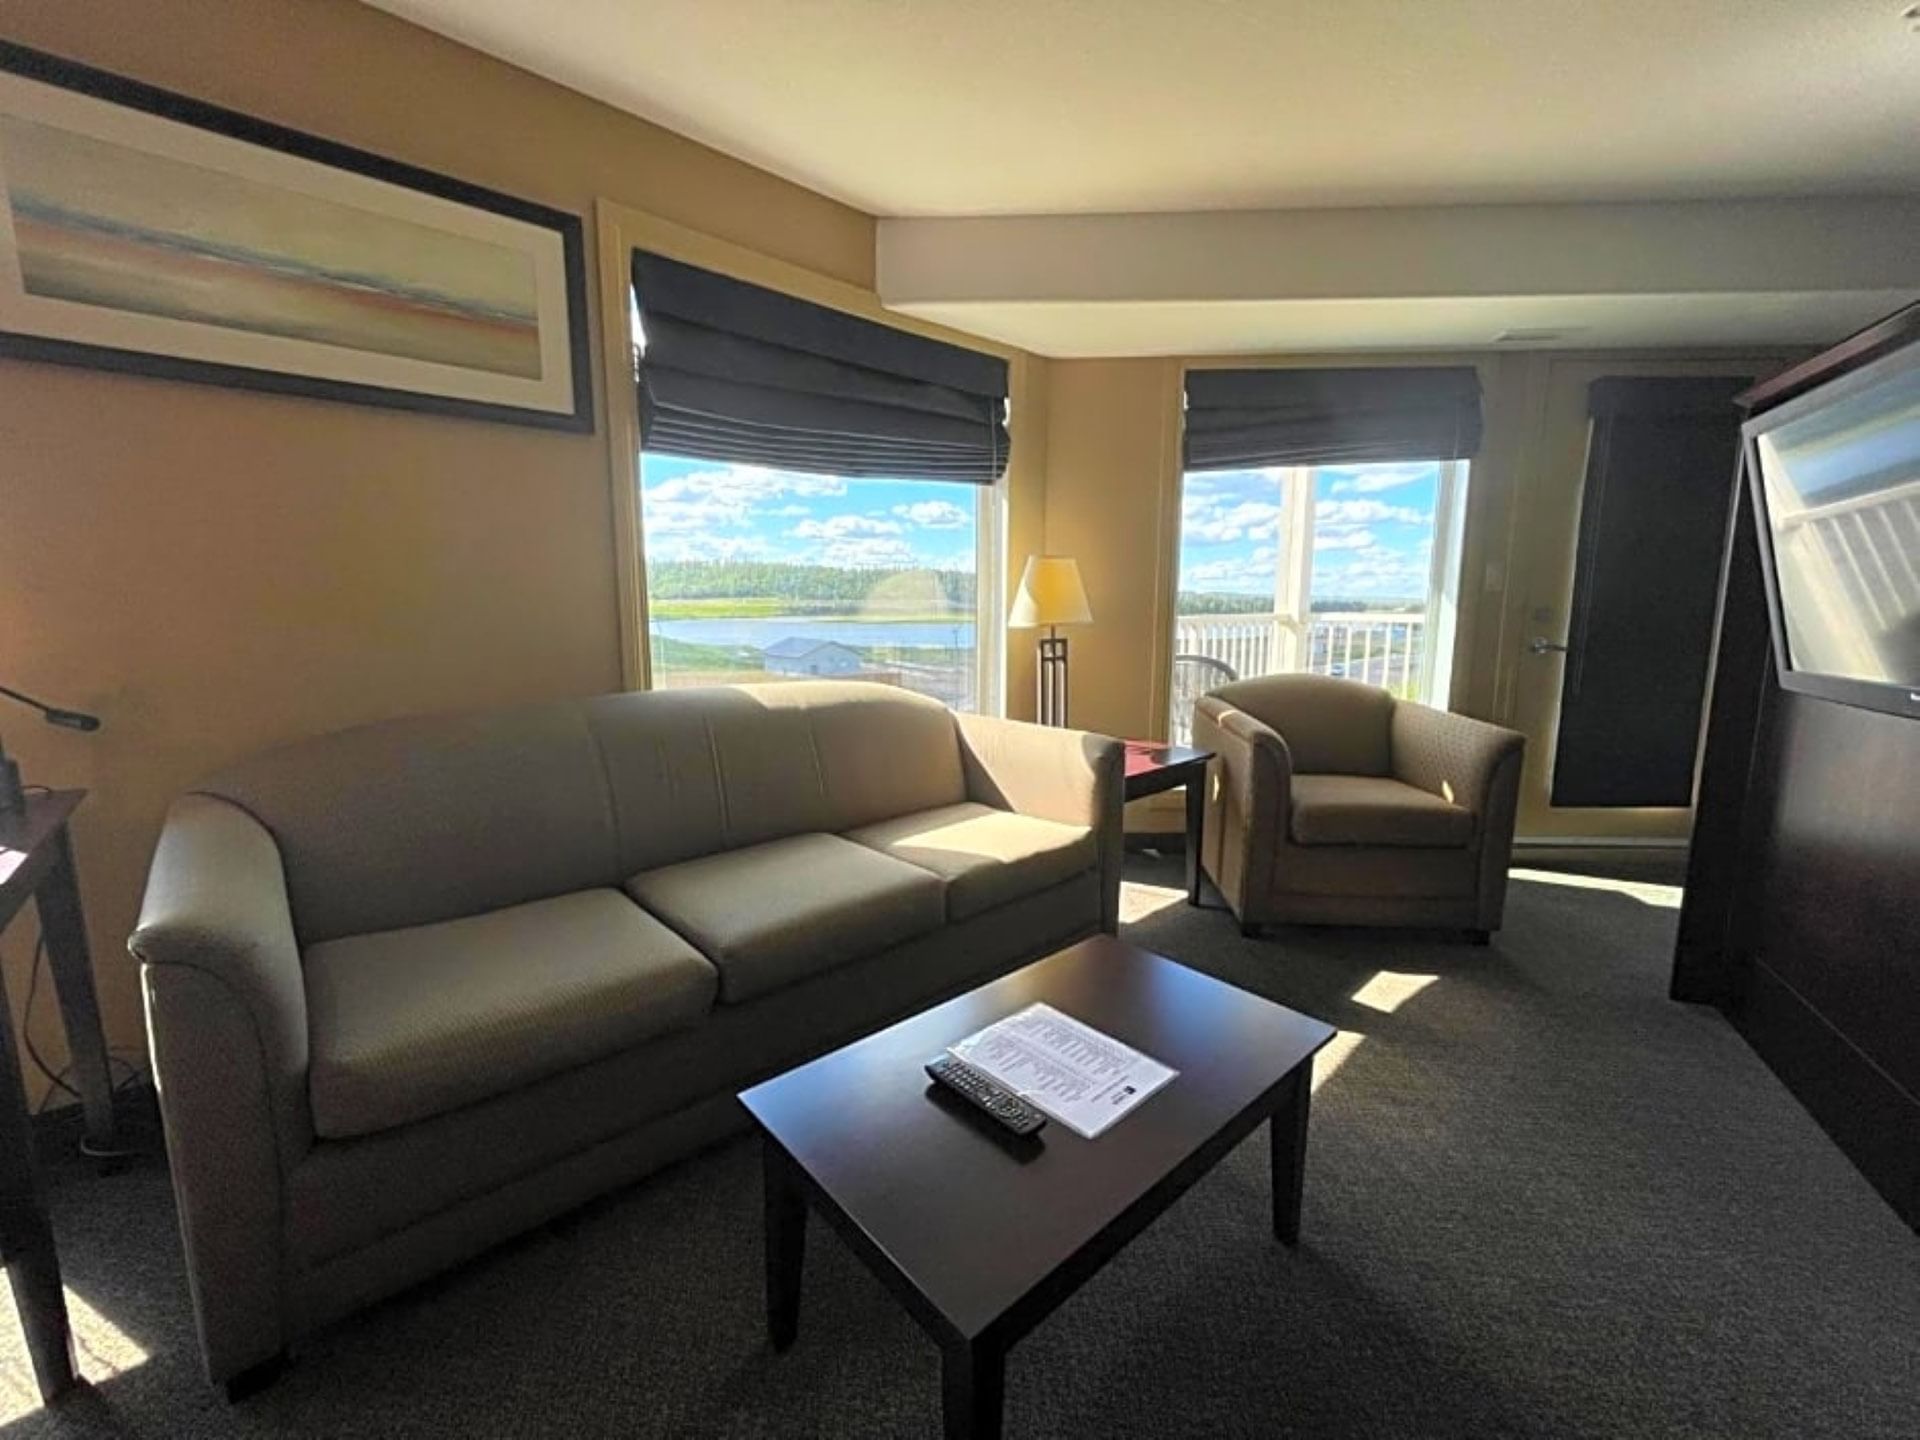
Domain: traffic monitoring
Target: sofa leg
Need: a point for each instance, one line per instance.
(1250, 929)
(255, 1378)
(1479, 937)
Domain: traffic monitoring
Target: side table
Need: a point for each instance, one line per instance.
(1153, 767)
(36, 862)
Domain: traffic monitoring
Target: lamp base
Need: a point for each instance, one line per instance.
(1052, 679)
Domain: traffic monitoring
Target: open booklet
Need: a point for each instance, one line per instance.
(1080, 1077)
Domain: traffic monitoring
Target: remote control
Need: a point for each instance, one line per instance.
(977, 1090)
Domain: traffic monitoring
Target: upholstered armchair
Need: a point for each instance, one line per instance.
(1336, 804)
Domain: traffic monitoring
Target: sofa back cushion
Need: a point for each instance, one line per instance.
(693, 772)
(415, 821)
(1331, 726)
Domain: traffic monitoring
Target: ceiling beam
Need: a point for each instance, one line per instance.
(1668, 273)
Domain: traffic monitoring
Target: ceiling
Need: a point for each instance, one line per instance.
(916, 107)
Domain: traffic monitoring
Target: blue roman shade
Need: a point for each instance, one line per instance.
(1242, 419)
(742, 374)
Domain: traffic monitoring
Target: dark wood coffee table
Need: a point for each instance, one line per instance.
(979, 1235)
(1153, 767)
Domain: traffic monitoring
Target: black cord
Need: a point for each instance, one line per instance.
(26, 1028)
(57, 1080)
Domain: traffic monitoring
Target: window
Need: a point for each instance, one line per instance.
(1346, 570)
(756, 574)
(819, 491)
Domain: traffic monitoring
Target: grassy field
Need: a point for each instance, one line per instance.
(671, 654)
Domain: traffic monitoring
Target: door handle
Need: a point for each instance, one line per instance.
(1542, 646)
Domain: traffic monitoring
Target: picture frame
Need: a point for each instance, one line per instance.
(145, 232)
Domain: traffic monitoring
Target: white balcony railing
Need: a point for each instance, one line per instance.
(1379, 647)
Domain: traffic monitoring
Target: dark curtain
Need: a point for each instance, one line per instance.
(738, 373)
(1246, 418)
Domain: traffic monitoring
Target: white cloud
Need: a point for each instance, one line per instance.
(933, 515)
(1339, 513)
(745, 485)
(709, 499)
(1375, 572)
(1376, 478)
(1345, 540)
(1250, 574)
(839, 527)
(1207, 518)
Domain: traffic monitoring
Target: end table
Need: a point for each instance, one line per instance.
(1153, 767)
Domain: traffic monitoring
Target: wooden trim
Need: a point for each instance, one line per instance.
(1850, 354)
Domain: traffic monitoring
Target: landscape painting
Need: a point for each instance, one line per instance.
(134, 241)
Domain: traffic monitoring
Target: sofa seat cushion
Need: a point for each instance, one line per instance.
(1373, 810)
(409, 1023)
(772, 914)
(986, 856)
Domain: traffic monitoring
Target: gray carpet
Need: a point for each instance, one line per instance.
(1541, 1200)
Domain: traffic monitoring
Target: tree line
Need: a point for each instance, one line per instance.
(809, 584)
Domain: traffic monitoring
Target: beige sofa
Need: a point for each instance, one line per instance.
(1337, 804)
(414, 987)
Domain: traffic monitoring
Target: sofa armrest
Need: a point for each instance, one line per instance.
(1070, 776)
(1251, 807)
(227, 1028)
(1456, 757)
(216, 901)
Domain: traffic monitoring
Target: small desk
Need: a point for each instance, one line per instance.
(1153, 767)
(36, 863)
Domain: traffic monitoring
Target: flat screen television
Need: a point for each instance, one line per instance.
(1836, 487)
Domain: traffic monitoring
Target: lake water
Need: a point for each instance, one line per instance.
(759, 633)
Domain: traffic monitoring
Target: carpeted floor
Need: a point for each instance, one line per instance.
(1541, 1200)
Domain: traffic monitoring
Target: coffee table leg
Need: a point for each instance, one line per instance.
(786, 1243)
(1287, 1133)
(972, 1390)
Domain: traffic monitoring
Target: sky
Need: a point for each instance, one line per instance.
(703, 510)
(1373, 531)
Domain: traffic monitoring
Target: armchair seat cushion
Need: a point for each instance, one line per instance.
(410, 1023)
(772, 914)
(987, 856)
(1373, 810)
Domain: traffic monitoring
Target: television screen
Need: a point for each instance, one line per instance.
(1839, 482)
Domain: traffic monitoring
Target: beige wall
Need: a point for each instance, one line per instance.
(212, 570)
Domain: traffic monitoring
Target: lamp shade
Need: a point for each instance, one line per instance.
(1050, 594)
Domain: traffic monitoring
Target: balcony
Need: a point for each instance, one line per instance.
(1380, 647)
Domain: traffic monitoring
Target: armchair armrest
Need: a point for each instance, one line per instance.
(1070, 776)
(1456, 757)
(227, 1028)
(1251, 811)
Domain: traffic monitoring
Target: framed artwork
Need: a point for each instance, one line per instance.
(146, 232)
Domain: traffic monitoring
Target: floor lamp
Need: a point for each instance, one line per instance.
(1051, 595)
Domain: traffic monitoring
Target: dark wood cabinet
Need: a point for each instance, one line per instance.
(1802, 911)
